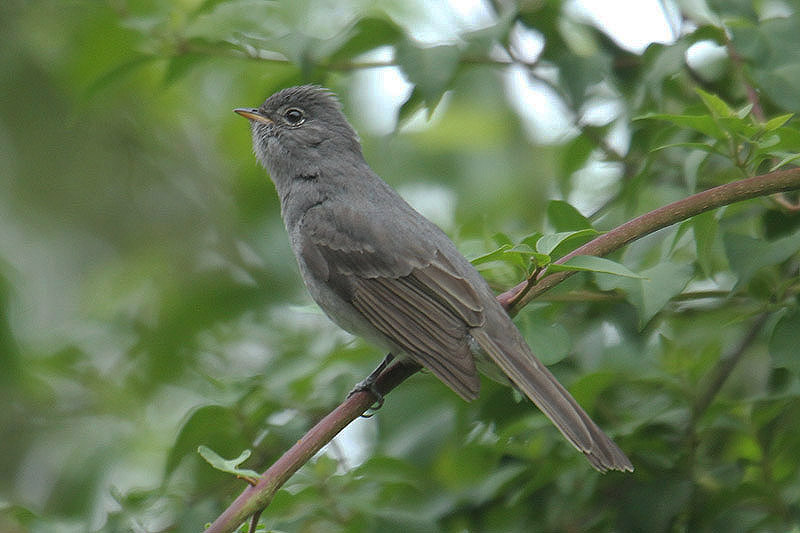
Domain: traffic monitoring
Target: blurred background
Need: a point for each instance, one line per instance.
(149, 302)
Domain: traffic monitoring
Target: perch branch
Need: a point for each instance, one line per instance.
(737, 191)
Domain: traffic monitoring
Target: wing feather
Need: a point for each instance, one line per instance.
(423, 326)
(453, 290)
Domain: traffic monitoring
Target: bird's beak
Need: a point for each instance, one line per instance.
(252, 114)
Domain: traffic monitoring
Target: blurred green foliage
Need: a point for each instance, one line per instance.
(149, 303)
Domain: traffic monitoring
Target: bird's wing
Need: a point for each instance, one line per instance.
(404, 288)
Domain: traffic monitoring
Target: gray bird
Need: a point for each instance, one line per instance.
(382, 271)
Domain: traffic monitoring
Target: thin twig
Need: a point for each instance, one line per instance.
(725, 365)
(254, 521)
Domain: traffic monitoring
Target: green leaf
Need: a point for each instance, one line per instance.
(576, 154)
(785, 161)
(660, 66)
(539, 261)
(783, 85)
(547, 244)
(521, 255)
(655, 288)
(705, 231)
(580, 72)
(662, 283)
(744, 112)
(501, 239)
(429, 69)
(747, 255)
(563, 217)
(743, 126)
(777, 122)
(771, 49)
(212, 424)
(701, 123)
(413, 103)
(683, 227)
(711, 148)
(698, 11)
(767, 141)
(549, 340)
(524, 253)
(715, 104)
(591, 263)
(365, 35)
(484, 40)
(523, 248)
(531, 239)
(230, 466)
(783, 342)
(236, 17)
(494, 255)
(789, 139)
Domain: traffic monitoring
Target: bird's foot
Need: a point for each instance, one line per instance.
(368, 384)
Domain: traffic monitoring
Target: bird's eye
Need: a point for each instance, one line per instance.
(294, 116)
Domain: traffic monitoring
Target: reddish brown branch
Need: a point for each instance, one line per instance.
(255, 498)
(737, 191)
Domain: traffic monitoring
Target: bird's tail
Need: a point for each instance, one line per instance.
(538, 384)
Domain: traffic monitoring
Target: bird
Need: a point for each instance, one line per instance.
(382, 271)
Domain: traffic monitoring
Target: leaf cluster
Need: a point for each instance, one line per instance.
(149, 303)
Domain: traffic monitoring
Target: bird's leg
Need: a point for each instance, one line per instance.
(368, 384)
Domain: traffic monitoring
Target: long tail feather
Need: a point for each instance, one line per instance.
(538, 384)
